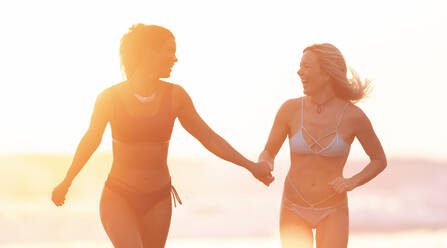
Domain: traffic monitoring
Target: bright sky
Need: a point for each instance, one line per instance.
(237, 59)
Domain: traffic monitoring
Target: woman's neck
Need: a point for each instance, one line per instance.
(143, 84)
(324, 95)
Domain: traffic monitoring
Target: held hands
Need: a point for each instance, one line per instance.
(262, 172)
(341, 185)
(59, 192)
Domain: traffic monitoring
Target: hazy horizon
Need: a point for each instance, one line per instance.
(237, 70)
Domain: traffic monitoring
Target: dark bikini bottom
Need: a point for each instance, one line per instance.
(140, 201)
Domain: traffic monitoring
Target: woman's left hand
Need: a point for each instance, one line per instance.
(341, 185)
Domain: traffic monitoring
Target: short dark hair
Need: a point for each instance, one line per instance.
(139, 38)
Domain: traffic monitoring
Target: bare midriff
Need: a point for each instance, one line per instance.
(311, 174)
(143, 166)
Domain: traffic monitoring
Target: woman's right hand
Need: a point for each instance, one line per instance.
(59, 192)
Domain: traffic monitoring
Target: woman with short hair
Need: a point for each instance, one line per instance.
(135, 205)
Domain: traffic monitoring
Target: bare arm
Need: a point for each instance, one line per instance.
(193, 123)
(88, 144)
(277, 135)
(371, 145)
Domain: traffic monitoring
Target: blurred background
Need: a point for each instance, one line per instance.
(238, 61)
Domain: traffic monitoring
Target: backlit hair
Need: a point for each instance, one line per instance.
(333, 64)
(137, 41)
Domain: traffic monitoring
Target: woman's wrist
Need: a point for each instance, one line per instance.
(248, 164)
(355, 181)
(67, 182)
(268, 161)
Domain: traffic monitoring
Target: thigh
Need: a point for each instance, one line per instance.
(155, 224)
(119, 221)
(333, 231)
(294, 231)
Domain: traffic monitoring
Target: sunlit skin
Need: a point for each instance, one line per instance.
(144, 166)
(316, 176)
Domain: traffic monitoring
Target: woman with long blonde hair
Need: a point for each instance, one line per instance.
(321, 127)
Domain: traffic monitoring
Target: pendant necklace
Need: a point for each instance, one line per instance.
(319, 105)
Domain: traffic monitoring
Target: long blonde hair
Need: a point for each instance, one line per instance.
(333, 63)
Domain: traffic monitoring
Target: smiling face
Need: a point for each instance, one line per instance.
(312, 77)
(159, 62)
(167, 58)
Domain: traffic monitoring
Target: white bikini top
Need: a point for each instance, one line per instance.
(336, 148)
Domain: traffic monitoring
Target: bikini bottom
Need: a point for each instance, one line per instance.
(312, 215)
(142, 202)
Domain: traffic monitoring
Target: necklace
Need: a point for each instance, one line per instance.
(145, 99)
(319, 105)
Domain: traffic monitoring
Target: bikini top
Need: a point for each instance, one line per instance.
(336, 148)
(130, 129)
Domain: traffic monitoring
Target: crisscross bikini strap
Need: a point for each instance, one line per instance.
(341, 114)
(305, 130)
(325, 136)
(297, 191)
(312, 205)
(313, 139)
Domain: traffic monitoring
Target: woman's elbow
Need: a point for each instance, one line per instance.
(382, 164)
(92, 138)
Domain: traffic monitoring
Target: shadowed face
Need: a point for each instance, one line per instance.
(160, 62)
(312, 77)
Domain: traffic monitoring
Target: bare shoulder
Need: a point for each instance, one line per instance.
(107, 93)
(179, 95)
(288, 109)
(178, 90)
(104, 103)
(105, 97)
(357, 117)
(180, 98)
(290, 106)
(355, 112)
